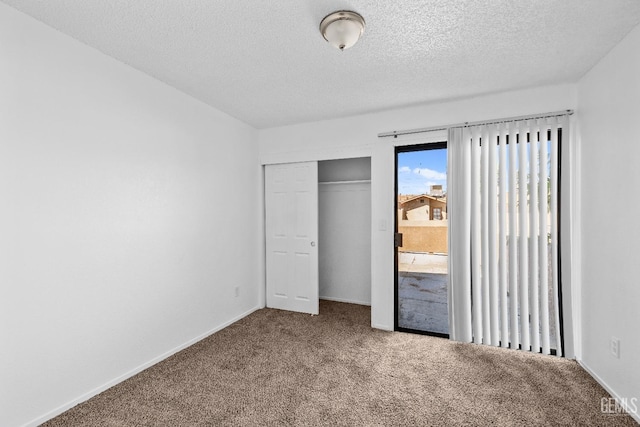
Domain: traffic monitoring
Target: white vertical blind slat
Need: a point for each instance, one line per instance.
(492, 184)
(476, 244)
(513, 238)
(543, 244)
(554, 234)
(459, 218)
(523, 220)
(484, 231)
(533, 239)
(502, 237)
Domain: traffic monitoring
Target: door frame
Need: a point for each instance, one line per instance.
(425, 146)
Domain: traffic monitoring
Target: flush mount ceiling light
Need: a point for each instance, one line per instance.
(342, 29)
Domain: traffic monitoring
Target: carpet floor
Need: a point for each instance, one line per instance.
(281, 368)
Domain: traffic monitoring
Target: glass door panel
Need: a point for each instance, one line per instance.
(422, 243)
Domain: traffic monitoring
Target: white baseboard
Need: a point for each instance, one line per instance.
(348, 301)
(634, 415)
(382, 327)
(63, 408)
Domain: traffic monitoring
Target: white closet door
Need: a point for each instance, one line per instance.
(291, 199)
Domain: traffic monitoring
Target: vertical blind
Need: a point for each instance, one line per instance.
(503, 233)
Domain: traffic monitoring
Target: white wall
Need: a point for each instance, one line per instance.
(609, 108)
(344, 242)
(118, 243)
(356, 169)
(357, 137)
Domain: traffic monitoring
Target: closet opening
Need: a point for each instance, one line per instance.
(344, 230)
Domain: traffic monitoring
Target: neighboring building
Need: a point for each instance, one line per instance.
(423, 207)
(405, 197)
(436, 190)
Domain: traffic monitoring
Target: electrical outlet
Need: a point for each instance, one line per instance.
(237, 291)
(614, 346)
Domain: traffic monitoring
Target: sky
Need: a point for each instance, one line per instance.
(418, 170)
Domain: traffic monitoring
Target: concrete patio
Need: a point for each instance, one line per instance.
(422, 292)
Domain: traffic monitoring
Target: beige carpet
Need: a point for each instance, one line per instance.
(282, 368)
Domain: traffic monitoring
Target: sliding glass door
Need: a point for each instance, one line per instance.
(421, 239)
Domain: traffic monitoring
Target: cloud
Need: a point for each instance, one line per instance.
(430, 174)
(404, 169)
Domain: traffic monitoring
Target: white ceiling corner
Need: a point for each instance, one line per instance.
(266, 63)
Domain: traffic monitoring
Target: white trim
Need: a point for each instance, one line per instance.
(262, 265)
(634, 415)
(576, 243)
(346, 300)
(417, 139)
(382, 327)
(86, 396)
(320, 154)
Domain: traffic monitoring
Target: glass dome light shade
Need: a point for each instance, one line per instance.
(342, 29)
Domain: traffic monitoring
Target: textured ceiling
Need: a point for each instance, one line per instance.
(265, 62)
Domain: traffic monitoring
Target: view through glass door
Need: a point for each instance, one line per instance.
(421, 239)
